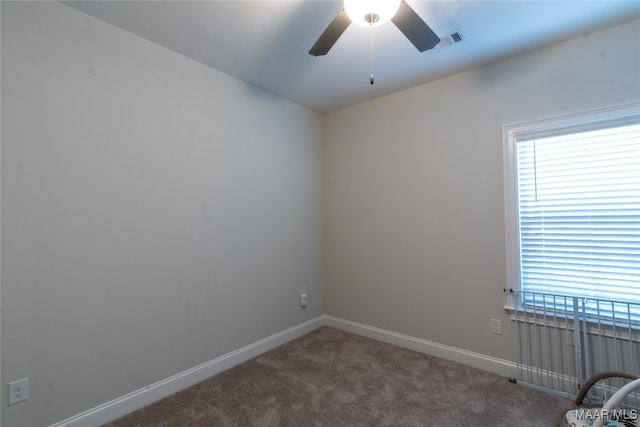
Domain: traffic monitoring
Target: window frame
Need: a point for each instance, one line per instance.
(582, 121)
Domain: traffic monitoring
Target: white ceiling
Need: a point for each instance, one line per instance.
(265, 42)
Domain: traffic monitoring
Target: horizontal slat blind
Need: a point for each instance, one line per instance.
(579, 213)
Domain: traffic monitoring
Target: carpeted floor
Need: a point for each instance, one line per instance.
(332, 378)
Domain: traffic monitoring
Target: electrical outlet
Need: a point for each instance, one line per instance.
(304, 300)
(18, 391)
(496, 326)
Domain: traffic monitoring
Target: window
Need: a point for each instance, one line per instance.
(573, 206)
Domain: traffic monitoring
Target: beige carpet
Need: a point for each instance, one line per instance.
(333, 378)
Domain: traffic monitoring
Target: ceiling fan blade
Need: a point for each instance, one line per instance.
(414, 28)
(331, 35)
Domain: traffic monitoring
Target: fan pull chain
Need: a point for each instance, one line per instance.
(371, 78)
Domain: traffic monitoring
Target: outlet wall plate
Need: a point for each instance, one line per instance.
(18, 391)
(496, 326)
(304, 299)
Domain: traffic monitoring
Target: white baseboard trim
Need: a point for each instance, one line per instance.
(130, 402)
(481, 361)
(140, 398)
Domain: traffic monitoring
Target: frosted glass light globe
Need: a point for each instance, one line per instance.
(361, 11)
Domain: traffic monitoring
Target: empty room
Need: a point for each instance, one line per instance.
(294, 213)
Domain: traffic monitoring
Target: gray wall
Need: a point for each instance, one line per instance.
(155, 213)
(414, 219)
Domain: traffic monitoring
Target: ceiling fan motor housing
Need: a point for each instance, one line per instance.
(371, 13)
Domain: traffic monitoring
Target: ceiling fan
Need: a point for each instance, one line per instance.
(372, 13)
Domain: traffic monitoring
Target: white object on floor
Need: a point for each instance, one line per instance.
(605, 416)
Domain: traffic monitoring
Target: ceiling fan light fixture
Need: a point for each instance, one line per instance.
(371, 13)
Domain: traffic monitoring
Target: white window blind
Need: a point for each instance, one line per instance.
(578, 209)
